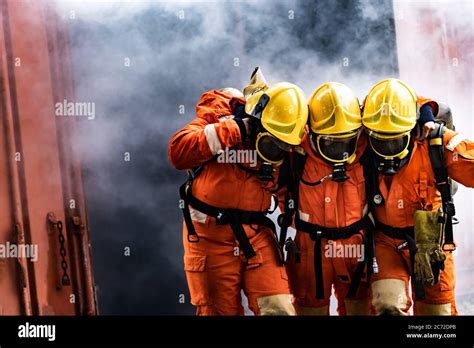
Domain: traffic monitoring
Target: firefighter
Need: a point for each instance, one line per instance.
(229, 241)
(330, 216)
(409, 194)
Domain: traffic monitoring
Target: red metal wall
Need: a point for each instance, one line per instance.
(40, 176)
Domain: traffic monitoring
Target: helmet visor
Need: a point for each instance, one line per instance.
(271, 149)
(337, 148)
(389, 147)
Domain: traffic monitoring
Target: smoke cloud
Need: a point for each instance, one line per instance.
(435, 48)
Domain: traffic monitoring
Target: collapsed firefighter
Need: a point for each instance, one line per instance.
(410, 194)
(229, 241)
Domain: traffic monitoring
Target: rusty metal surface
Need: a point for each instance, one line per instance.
(41, 195)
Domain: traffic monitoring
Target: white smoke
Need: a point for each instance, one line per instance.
(435, 53)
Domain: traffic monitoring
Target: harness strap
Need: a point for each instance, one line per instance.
(233, 217)
(318, 264)
(443, 183)
(317, 232)
(407, 234)
(419, 289)
(359, 272)
(192, 234)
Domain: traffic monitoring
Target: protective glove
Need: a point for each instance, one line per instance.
(428, 238)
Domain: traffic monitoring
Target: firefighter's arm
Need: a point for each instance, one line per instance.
(426, 122)
(459, 157)
(199, 141)
(211, 132)
(423, 101)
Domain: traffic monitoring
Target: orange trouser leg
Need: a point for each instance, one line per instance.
(440, 298)
(390, 287)
(213, 272)
(217, 271)
(338, 270)
(345, 269)
(265, 281)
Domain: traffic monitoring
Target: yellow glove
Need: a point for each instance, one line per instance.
(428, 237)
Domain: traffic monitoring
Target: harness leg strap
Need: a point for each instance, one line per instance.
(359, 270)
(418, 286)
(241, 236)
(372, 264)
(318, 266)
(192, 234)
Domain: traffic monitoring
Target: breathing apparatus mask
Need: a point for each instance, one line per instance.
(279, 114)
(391, 149)
(335, 123)
(271, 150)
(390, 116)
(338, 150)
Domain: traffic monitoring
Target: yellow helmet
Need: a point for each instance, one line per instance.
(390, 108)
(335, 121)
(282, 110)
(334, 109)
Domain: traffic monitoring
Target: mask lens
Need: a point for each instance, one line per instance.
(271, 149)
(337, 149)
(389, 147)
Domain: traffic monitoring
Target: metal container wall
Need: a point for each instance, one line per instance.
(40, 181)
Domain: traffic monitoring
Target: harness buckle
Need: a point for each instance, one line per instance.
(316, 235)
(193, 238)
(222, 218)
(402, 246)
(285, 219)
(450, 209)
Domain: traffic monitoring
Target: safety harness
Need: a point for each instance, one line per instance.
(234, 217)
(287, 179)
(443, 184)
(408, 235)
(317, 232)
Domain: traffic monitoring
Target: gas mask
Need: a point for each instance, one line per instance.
(337, 150)
(271, 150)
(392, 150)
(280, 114)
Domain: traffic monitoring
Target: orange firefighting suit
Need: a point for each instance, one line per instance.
(216, 268)
(334, 205)
(413, 188)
